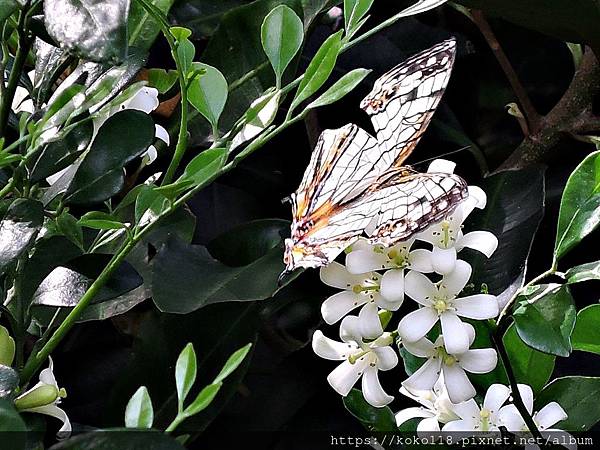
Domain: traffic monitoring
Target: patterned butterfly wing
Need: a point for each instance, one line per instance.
(403, 101)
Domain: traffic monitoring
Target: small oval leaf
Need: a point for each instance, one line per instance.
(185, 373)
(139, 412)
(232, 363)
(208, 93)
(340, 88)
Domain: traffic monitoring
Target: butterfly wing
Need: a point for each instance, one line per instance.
(403, 101)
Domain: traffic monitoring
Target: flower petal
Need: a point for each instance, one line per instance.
(478, 306)
(482, 241)
(146, 100)
(455, 281)
(162, 134)
(47, 375)
(468, 410)
(336, 275)
(480, 360)
(417, 324)
(495, 397)
(509, 417)
(345, 376)
(350, 330)
(387, 358)
(423, 348)
(526, 395)
(368, 321)
(55, 411)
(372, 390)
(424, 377)
(421, 260)
(458, 385)
(456, 337)
(392, 286)
(428, 425)
(549, 415)
(443, 260)
(441, 166)
(420, 288)
(459, 426)
(412, 413)
(330, 349)
(362, 261)
(340, 304)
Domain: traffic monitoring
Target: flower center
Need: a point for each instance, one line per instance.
(355, 357)
(446, 231)
(358, 288)
(440, 305)
(485, 419)
(447, 359)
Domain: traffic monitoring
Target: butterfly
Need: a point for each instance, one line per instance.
(356, 183)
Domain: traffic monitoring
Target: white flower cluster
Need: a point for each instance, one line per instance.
(376, 279)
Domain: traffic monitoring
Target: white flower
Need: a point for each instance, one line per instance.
(358, 290)
(365, 257)
(439, 302)
(452, 366)
(435, 407)
(22, 101)
(360, 359)
(447, 237)
(44, 397)
(476, 419)
(544, 419)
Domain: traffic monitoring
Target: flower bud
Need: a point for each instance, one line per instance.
(40, 396)
(7, 347)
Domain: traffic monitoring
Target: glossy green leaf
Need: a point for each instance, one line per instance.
(161, 79)
(340, 88)
(143, 28)
(188, 277)
(185, 373)
(281, 36)
(96, 31)
(203, 400)
(584, 272)
(354, 11)
(21, 224)
(12, 426)
(232, 363)
(376, 419)
(9, 380)
(7, 348)
(319, 69)
(7, 7)
(67, 225)
(186, 53)
(100, 221)
(586, 335)
(200, 169)
(545, 319)
(580, 205)
(123, 137)
(148, 199)
(139, 412)
(259, 116)
(578, 396)
(208, 93)
(529, 365)
(181, 33)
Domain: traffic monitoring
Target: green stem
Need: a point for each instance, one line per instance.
(176, 421)
(23, 47)
(517, 399)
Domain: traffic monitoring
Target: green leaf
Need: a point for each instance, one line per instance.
(578, 396)
(340, 88)
(186, 53)
(259, 116)
(143, 28)
(354, 11)
(139, 412)
(232, 363)
(530, 366)
(96, 31)
(545, 319)
(122, 138)
(188, 277)
(148, 199)
(9, 379)
(281, 36)
(204, 398)
(566, 20)
(161, 79)
(199, 170)
(580, 205)
(584, 272)
(100, 221)
(12, 426)
(7, 349)
(586, 335)
(181, 33)
(375, 419)
(185, 373)
(319, 69)
(7, 7)
(202, 16)
(67, 225)
(21, 224)
(208, 93)
(120, 438)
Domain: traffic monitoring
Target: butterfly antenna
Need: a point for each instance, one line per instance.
(462, 149)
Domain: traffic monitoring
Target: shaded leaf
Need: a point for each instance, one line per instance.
(578, 396)
(100, 221)
(340, 88)
(18, 229)
(202, 16)
(376, 419)
(119, 439)
(9, 381)
(545, 318)
(580, 205)
(7, 7)
(96, 31)
(586, 335)
(354, 11)
(12, 426)
(161, 79)
(139, 412)
(7, 348)
(584, 272)
(143, 28)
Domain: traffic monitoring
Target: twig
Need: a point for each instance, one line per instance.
(532, 117)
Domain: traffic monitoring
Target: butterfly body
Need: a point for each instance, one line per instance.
(355, 184)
